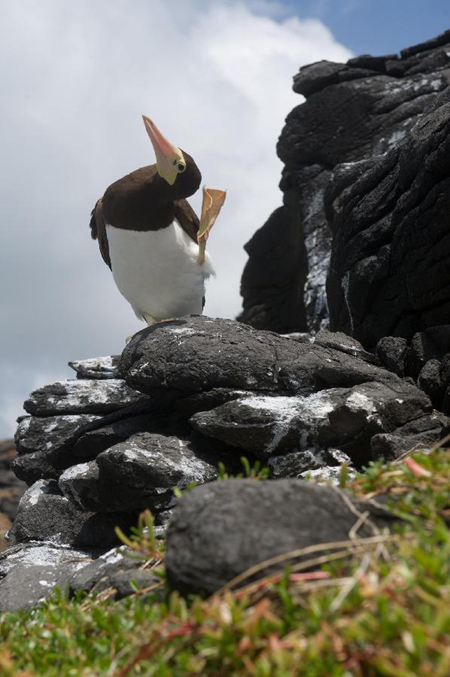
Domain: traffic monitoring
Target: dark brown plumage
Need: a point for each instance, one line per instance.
(144, 201)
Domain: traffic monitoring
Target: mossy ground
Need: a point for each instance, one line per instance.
(377, 606)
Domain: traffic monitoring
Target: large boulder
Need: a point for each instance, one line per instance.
(220, 531)
(31, 574)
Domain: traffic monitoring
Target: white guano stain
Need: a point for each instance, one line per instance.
(285, 410)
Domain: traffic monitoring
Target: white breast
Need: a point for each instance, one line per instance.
(157, 271)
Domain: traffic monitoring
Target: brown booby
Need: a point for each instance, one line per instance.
(150, 236)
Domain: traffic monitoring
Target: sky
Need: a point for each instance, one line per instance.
(215, 76)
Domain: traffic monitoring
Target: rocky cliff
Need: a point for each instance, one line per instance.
(365, 184)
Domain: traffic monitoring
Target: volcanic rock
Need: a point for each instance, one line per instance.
(137, 474)
(29, 572)
(44, 514)
(97, 367)
(115, 572)
(268, 518)
(355, 119)
(84, 396)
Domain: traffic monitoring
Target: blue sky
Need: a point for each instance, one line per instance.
(215, 75)
(376, 26)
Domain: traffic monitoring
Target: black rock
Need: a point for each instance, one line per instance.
(429, 380)
(27, 585)
(431, 344)
(44, 554)
(316, 76)
(36, 433)
(63, 441)
(220, 530)
(277, 249)
(421, 433)
(442, 39)
(391, 351)
(83, 396)
(139, 473)
(113, 571)
(392, 279)
(208, 400)
(343, 418)
(354, 114)
(36, 466)
(343, 343)
(44, 514)
(80, 484)
(93, 442)
(199, 354)
(97, 367)
(301, 463)
(29, 572)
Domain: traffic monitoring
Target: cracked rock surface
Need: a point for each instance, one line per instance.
(193, 397)
(372, 122)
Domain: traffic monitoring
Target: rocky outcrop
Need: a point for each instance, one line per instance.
(188, 399)
(388, 271)
(425, 359)
(366, 181)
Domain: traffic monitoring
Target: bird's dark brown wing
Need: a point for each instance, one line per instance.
(187, 218)
(98, 231)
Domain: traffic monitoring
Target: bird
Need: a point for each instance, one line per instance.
(152, 239)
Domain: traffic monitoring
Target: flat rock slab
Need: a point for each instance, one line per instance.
(113, 571)
(220, 530)
(92, 443)
(137, 474)
(25, 586)
(343, 418)
(36, 553)
(44, 514)
(198, 354)
(97, 367)
(81, 397)
(29, 572)
(37, 433)
(50, 444)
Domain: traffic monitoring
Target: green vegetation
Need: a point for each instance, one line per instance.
(376, 606)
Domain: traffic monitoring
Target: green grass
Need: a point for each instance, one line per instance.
(380, 607)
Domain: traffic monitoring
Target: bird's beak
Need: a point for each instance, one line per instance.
(168, 156)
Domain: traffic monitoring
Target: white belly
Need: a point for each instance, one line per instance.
(157, 271)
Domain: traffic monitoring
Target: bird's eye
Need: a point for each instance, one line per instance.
(181, 167)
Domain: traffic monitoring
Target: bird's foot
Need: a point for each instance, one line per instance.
(168, 319)
(212, 203)
(149, 319)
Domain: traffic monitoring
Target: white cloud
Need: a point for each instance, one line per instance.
(215, 76)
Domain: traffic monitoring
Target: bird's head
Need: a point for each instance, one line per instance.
(172, 164)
